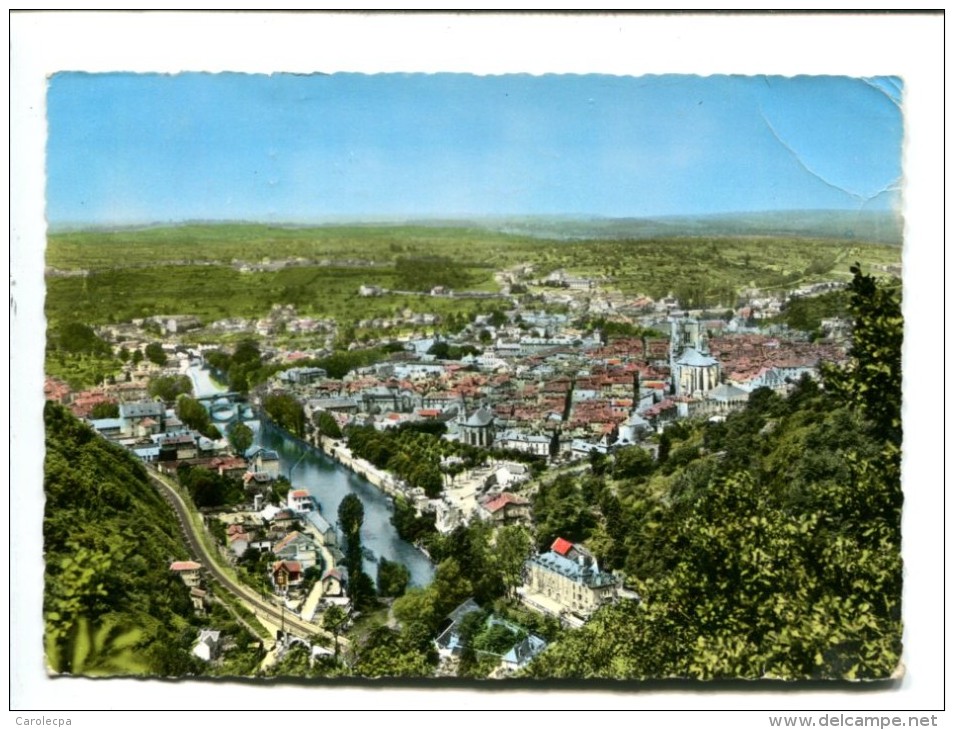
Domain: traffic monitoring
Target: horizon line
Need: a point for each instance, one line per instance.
(398, 219)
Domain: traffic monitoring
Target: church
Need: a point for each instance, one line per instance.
(693, 371)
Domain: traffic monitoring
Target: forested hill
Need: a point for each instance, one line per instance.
(111, 605)
(767, 546)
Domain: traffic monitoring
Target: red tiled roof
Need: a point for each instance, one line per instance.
(502, 501)
(184, 565)
(561, 546)
(292, 566)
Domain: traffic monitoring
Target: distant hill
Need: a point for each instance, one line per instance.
(851, 225)
(871, 226)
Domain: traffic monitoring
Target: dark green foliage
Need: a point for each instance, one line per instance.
(470, 551)
(434, 428)
(806, 313)
(412, 454)
(106, 409)
(872, 382)
(77, 338)
(155, 353)
(328, 426)
(446, 351)
(423, 273)
(392, 578)
(496, 638)
(109, 598)
(192, 413)
(613, 329)
(296, 662)
(240, 437)
(342, 362)
(512, 547)
(361, 591)
(351, 515)
(360, 586)
(209, 488)
(279, 491)
(632, 462)
(387, 653)
(243, 368)
(286, 411)
(560, 511)
(170, 387)
(334, 620)
(409, 525)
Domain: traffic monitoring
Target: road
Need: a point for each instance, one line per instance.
(249, 598)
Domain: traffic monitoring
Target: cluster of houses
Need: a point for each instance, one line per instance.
(554, 399)
(536, 387)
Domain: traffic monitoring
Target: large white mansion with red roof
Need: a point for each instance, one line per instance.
(567, 582)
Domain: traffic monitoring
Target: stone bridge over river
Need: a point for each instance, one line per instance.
(227, 407)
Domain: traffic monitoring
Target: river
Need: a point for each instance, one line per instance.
(328, 482)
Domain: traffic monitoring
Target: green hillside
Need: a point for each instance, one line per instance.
(764, 546)
(111, 606)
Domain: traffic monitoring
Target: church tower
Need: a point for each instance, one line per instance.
(693, 371)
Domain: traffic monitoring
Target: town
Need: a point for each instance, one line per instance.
(456, 423)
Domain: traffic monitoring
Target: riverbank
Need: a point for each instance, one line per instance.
(329, 477)
(383, 480)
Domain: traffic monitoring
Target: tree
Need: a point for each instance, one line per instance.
(240, 437)
(247, 352)
(560, 511)
(194, 415)
(386, 653)
(665, 446)
(328, 426)
(597, 462)
(361, 590)
(451, 587)
(286, 411)
(155, 353)
(170, 387)
(76, 337)
(393, 578)
(351, 515)
(632, 462)
(872, 379)
(106, 409)
(512, 548)
(334, 620)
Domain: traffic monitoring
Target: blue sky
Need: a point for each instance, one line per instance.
(141, 148)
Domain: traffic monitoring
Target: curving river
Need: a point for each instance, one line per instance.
(328, 482)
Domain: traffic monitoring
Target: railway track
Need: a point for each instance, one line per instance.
(291, 623)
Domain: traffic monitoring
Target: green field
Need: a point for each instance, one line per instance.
(196, 269)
